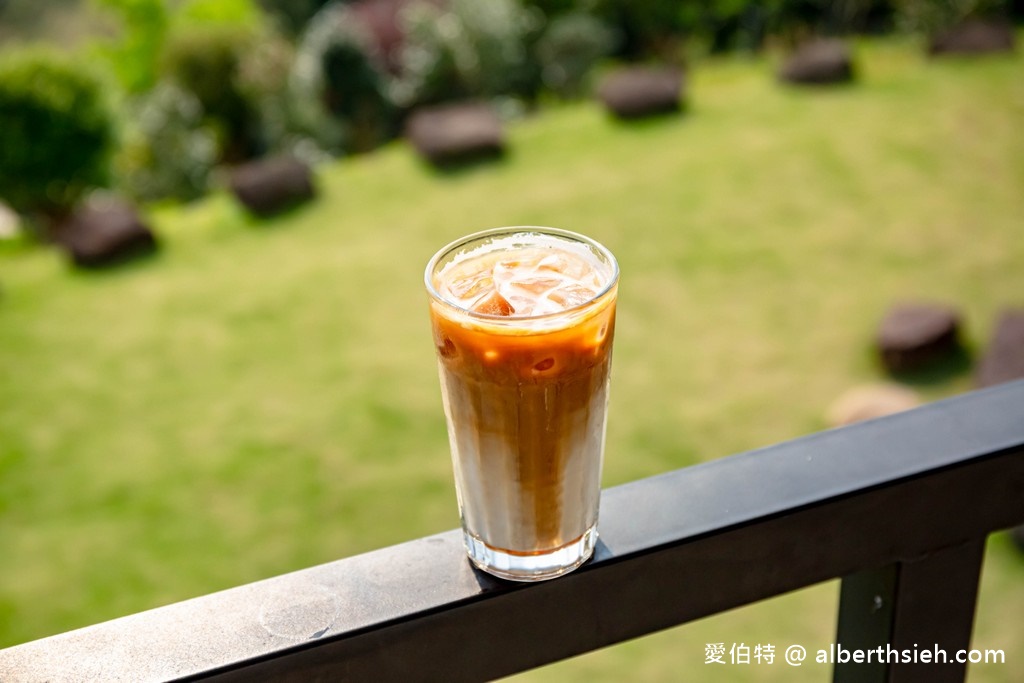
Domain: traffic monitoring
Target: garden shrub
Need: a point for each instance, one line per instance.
(338, 66)
(384, 24)
(58, 133)
(731, 24)
(796, 19)
(930, 16)
(556, 8)
(238, 13)
(292, 120)
(133, 56)
(658, 28)
(204, 60)
(469, 49)
(569, 48)
(133, 53)
(172, 144)
(168, 151)
(292, 16)
(650, 28)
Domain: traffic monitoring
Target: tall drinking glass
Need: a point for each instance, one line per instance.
(523, 320)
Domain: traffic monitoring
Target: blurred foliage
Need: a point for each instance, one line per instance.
(292, 118)
(63, 21)
(658, 28)
(339, 67)
(205, 62)
(212, 81)
(650, 28)
(928, 16)
(555, 8)
(167, 152)
(26, 15)
(468, 49)
(134, 56)
(569, 48)
(228, 12)
(292, 16)
(58, 132)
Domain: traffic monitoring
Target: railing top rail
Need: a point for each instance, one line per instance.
(673, 548)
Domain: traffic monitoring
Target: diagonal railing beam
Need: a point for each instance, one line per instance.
(674, 548)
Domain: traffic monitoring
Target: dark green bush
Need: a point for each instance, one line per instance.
(663, 28)
(469, 49)
(650, 28)
(556, 8)
(58, 133)
(171, 143)
(569, 48)
(292, 118)
(928, 16)
(338, 66)
(23, 18)
(292, 16)
(133, 55)
(205, 60)
(795, 18)
(167, 151)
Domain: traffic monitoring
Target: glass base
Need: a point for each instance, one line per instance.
(539, 567)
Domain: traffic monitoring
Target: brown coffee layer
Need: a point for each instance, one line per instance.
(526, 410)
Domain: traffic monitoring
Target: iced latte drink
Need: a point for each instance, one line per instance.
(523, 320)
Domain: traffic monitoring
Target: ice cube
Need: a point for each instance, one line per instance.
(522, 304)
(536, 285)
(571, 295)
(471, 286)
(493, 304)
(506, 270)
(570, 266)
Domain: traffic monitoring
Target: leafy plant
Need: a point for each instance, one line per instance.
(58, 133)
(468, 49)
(291, 118)
(205, 62)
(928, 16)
(134, 56)
(650, 28)
(569, 48)
(239, 13)
(168, 152)
(292, 15)
(338, 67)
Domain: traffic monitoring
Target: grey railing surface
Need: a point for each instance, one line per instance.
(898, 507)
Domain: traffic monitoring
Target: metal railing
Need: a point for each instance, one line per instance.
(898, 507)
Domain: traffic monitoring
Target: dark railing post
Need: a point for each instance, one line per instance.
(911, 610)
(866, 601)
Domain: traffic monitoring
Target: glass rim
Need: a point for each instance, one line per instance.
(569, 235)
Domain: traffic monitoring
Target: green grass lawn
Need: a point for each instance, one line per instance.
(262, 396)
